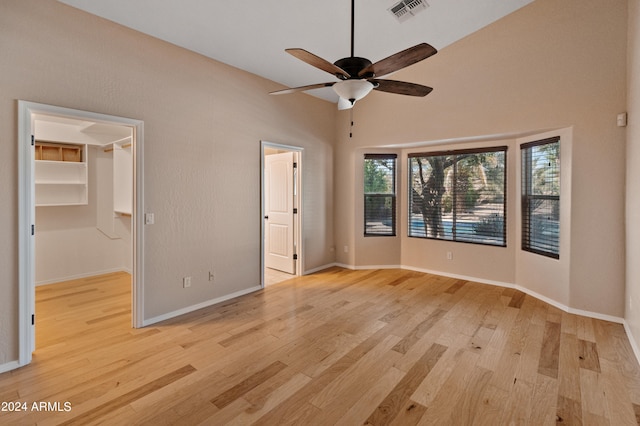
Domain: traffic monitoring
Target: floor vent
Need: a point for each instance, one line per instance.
(406, 9)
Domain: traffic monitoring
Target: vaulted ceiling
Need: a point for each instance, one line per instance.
(252, 35)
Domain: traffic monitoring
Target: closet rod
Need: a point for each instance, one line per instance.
(127, 145)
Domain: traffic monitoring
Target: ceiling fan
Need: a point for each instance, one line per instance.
(358, 76)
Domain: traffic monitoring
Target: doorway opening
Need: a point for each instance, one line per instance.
(281, 194)
(80, 184)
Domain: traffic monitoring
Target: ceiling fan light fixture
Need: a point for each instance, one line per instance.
(345, 104)
(353, 90)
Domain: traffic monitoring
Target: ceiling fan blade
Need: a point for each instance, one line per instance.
(401, 87)
(318, 62)
(301, 88)
(400, 60)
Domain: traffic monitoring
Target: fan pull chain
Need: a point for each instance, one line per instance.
(351, 120)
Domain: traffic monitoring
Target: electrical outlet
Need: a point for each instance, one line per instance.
(186, 282)
(622, 119)
(211, 276)
(346, 249)
(449, 255)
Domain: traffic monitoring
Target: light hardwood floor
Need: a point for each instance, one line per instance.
(336, 347)
(273, 276)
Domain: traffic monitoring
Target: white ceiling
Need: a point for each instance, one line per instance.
(252, 35)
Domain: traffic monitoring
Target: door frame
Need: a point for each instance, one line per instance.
(298, 203)
(26, 216)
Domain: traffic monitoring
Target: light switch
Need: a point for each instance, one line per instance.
(149, 219)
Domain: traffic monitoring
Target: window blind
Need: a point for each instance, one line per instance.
(541, 197)
(380, 194)
(459, 195)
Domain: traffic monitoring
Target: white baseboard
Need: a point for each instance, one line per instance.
(79, 276)
(9, 366)
(531, 293)
(366, 267)
(460, 277)
(319, 268)
(342, 265)
(201, 305)
(569, 309)
(595, 315)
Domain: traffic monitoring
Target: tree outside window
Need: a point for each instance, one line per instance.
(380, 195)
(459, 195)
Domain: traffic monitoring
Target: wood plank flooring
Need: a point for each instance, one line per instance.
(273, 276)
(383, 347)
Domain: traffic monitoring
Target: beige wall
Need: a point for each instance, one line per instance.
(203, 123)
(548, 65)
(632, 314)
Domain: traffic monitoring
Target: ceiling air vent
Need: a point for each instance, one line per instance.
(406, 9)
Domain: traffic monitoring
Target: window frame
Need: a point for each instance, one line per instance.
(493, 149)
(527, 198)
(392, 196)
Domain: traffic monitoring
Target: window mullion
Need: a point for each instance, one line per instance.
(454, 208)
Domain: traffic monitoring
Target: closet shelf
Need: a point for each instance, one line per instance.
(55, 151)
(61, 182)
(58, 205)
(61, 176)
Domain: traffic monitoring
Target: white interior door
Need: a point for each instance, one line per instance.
(279, 216)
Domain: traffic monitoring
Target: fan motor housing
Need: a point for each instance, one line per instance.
(353, 65)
